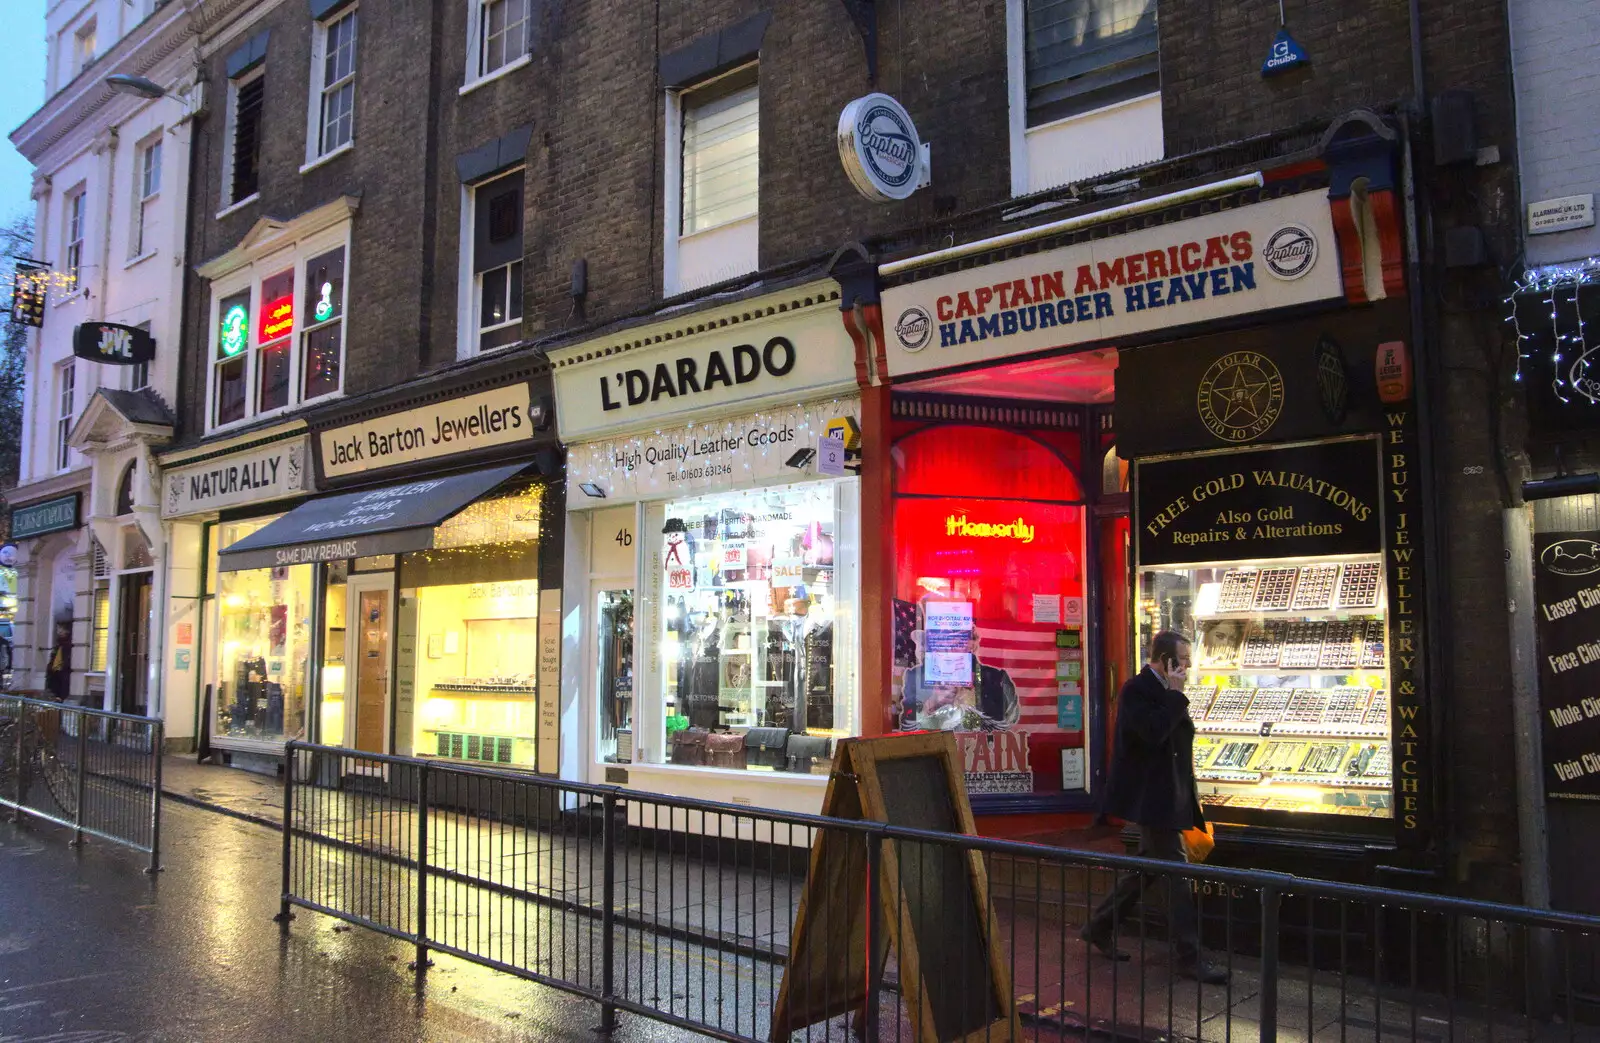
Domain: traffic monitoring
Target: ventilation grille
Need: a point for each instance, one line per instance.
(102, 564)
(464, 746)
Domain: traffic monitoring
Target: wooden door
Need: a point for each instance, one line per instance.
(133, 646)
(370, 632)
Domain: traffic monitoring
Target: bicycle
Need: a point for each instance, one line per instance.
(38, 759)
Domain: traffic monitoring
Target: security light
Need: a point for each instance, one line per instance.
(591, 489)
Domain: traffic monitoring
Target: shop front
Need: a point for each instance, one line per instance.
(713, 508)
(401, 610)
(1192, 419)
(210, 496)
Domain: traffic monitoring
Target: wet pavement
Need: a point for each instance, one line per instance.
(92, 949)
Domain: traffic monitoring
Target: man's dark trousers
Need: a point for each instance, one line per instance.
(1167, 845)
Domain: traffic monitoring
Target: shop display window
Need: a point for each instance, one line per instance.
(757, 595)
(990, 618)
(470, 616)
(1290, 687)
(614, 612)
(264, 627)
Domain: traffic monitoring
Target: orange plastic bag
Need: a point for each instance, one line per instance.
(1199, 842)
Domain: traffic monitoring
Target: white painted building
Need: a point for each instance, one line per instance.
(110, 186)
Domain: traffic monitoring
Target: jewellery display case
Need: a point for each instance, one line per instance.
(1289, 690)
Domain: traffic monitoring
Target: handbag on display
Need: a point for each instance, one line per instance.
(808, 755)
(725, 750)
(766, 747)
(819, 546)
(689, 746)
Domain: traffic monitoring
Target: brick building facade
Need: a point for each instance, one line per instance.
(593, 118)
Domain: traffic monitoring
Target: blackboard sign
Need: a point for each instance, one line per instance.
(1310, 500)
(1566, 588)
(932, 901)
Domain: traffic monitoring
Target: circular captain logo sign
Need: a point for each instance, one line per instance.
(914, 329)
(1290, 252)
(1241, 396)
(879, 147)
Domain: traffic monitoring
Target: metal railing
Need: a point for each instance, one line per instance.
(680, 911)
(95, 772)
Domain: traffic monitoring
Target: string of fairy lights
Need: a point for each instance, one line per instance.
(1575, 363)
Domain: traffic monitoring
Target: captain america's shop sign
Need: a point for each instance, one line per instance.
(1267, 255)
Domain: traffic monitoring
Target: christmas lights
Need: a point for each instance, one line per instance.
(1573, 360)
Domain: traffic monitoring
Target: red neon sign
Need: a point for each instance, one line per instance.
(277, 319)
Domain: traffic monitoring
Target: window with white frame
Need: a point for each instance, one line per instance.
(500, 34)
(713, 166)
(278, 334)
(73, 237)
(241, 160)
(333, 87)
(139, 373)
(720, 152)
(83, 47)
(147, 186)
(66, 388)
(496, 257)
(1086, 54)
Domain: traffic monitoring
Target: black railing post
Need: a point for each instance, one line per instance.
(80, 788)
(1269, 963)
(21, 768)
(608, 914)
(284, 915)
(157, 741)
(875, 927)
(422, 868)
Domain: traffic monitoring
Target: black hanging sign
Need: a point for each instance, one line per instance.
(1309, 500)
(112, 344)
(30, 282)
(1566, 593)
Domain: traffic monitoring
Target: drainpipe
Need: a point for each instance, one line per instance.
(110, 194)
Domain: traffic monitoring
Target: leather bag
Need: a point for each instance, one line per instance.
(725, 750)
(689, 746)
(766, 748)
(808, 754)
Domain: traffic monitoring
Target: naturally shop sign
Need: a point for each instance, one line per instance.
(1252, 258)
(500, 416)
(266, 473)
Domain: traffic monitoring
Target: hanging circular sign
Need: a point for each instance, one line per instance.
(235, 330)
(879, 148)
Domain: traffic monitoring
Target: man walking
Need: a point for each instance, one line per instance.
(1152, 785)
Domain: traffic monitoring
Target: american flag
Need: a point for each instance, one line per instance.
(1026, 651)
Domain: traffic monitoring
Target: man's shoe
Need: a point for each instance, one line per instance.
(1104, 944)
(1204, 972)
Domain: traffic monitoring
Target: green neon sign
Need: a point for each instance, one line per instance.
(235, 329)
(324, 307)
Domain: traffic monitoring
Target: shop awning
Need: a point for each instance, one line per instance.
(390, 520)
